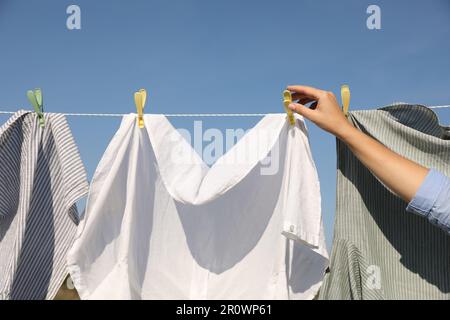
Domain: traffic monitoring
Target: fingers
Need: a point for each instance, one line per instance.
(305, 101)
(302, 99)
(297, 96)
(309, 92)
(302, 110)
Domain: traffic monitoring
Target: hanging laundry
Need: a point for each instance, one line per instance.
(161, 224)
(41, 178)
(381, 251)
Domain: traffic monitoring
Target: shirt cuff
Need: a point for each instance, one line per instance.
(428, 193)
(433, 200)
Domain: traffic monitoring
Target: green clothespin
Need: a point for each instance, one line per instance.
(38, 105)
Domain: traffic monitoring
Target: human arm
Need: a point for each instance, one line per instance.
(402, 176)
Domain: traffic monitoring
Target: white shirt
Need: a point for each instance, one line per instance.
(161, 224)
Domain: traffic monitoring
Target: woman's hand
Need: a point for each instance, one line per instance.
(401, 175)
(325, 111)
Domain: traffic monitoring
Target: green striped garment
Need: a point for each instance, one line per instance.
(380, 251)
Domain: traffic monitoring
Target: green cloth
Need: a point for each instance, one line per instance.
(380, 251)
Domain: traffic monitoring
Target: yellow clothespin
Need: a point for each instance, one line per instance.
(345, 98)
(140, 98)
(287, 99)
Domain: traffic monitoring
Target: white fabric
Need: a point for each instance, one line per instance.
(159, 226)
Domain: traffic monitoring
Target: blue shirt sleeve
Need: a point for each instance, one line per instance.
(432, 200)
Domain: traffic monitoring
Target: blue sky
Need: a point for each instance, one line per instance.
(216, 56)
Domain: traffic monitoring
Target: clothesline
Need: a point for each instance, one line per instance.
(439, 107)
(184, 114)
(167, 115)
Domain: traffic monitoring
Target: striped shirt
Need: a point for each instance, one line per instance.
(41, 178)
(381, 251)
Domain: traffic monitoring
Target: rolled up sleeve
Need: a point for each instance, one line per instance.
(432, 200)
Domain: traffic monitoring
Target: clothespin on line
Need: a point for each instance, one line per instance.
(287, 100)
(35, 98)
(345, 98)
(140, 97)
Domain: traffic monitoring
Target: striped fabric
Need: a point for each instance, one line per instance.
(41, 178)
(380, 251)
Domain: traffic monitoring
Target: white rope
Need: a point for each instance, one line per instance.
(183, 114)
(439, 107)
(167, 115)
